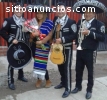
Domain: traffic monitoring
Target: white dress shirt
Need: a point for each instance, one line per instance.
(61, 20)
(88, 23)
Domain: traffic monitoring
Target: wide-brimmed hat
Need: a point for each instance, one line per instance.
(99, 7)
(19, 55)
(39, 8)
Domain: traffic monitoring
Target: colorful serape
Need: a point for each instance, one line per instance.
(41, 56)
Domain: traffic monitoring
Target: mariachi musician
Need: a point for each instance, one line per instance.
(90, 32)
(11, 31)
(67, 34)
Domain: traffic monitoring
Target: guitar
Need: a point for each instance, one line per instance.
(57, 56)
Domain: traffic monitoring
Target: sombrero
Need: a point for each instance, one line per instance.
(99, 7)
(19, 55)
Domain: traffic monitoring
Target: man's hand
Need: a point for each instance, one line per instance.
(35, 33)
(30, 40)
(85, 32)
(51, 49)
(14, 41)
(58, 41)
(39, 42)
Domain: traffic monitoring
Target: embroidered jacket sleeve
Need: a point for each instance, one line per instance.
(5, 30)
(72, 31)
(99, 34)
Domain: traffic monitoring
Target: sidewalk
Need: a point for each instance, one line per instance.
(99, 93)
(99, 90)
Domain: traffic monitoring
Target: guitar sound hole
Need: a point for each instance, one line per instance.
(57, 49)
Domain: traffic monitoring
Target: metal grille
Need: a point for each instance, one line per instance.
(67, 2)
(44, 2)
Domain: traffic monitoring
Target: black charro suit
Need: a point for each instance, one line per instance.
(10, 31)
(67, 34)
(85, 56)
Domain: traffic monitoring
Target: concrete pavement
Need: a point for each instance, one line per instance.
(99, 90)
(99, 93)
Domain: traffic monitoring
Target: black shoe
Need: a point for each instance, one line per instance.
(88, 95)
(66, 94)
(23, 79)
(11, 86)
(59, 86)
(75, 90)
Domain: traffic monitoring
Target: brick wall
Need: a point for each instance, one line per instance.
(3, 50)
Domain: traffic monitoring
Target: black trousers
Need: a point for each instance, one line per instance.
(47, 75)
(84, 57)
(65, 70)
(11, 73)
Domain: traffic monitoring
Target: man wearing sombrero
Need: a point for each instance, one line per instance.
(90, 32)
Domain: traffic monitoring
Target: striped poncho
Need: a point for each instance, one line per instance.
(41, 56)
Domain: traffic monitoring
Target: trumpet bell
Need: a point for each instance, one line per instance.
(79, 48)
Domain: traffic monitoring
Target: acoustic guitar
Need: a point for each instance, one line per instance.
(57, 56)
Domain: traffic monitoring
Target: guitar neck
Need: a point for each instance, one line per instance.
(57, 35)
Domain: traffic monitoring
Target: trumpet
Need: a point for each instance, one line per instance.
(80, 35)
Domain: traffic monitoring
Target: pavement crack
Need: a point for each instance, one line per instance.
(101, 83)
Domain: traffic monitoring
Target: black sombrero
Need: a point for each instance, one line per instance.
(19, 55)
(37, 8)
(99, 7)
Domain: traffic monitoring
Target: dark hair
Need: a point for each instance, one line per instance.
(17, 4)
(61, 4)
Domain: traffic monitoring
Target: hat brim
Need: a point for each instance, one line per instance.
(19, 64)
(99, 7)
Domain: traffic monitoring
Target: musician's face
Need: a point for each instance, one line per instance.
(40, 15)
(89, 15)
(18, 11)
(61, 11)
